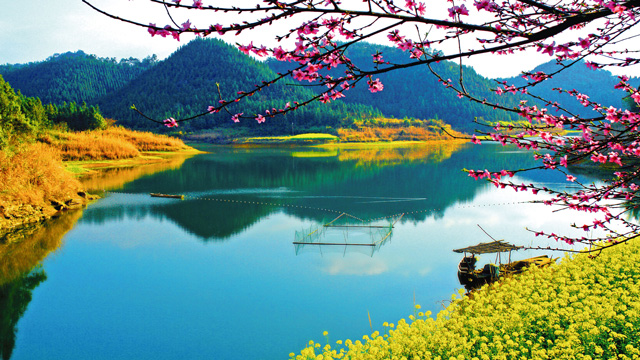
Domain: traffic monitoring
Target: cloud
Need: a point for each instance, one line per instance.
(355, 266)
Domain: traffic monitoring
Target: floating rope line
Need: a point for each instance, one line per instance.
(206, 198)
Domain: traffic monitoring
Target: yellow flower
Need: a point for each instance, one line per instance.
(325, 333)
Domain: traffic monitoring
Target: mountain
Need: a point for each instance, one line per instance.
(73, 76)
(186, 83)
(198, 73)
(597, 84)
(415, 92)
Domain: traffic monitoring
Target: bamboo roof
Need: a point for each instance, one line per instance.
(490, 247)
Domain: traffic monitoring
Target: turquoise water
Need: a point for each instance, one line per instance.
(216, 276)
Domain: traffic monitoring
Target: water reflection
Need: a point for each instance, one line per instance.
(151, 278)
(116, 178)
(15, 296)
(21, 252)
(231, 189)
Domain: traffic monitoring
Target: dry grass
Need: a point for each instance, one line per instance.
(145, 141)
(114, 143)
(89, 145)
(33, 174)
(371, 134)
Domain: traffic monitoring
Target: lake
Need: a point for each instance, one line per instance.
(217, 276)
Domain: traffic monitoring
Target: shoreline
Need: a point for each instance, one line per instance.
(15, 218)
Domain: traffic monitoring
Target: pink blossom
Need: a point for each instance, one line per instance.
(416, 53)
(152, 29)
(585, 43)
(170, 122)
(246, 49)
(474, 139)
(236, 117)
(563, 161)
(260, 119)
(212, 110)
(197, 3)
(405, 45)
(395, 36)
(280, 54)
(547, 49)
(591, 65)
(375, 85)
(571, 178)
(462, 10)
(485, 5)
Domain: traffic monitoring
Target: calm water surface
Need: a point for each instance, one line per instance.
(216, 276)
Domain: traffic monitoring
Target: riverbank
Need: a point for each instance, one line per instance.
(39, 184)
(582, 308)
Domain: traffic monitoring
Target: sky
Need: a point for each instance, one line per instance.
(34, 30)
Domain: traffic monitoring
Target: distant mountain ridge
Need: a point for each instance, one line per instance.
(597, 84)
(73, 76)
(415, 92)
(186, 83)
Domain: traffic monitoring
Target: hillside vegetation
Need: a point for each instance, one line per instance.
(199, 73)
(583, 308)
(202, 71)
(73, 77)
(597, 84)
(416, 93)
(32, 146)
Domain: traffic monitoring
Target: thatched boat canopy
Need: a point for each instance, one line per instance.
(490, 247)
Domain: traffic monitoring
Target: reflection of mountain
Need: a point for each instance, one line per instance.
(15, 296)
(20, 254)
(368, 183)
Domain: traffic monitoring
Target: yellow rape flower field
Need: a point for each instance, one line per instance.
(581, 308)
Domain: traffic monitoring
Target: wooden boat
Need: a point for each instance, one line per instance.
(181, 197)
(473, 278)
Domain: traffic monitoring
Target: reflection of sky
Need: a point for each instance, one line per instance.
(140, 286)
(143, 288)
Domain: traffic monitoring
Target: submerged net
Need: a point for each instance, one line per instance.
(343, 237)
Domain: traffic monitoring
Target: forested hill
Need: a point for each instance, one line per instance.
(597, 84)
(416, 93)
(73, 77)
(185, 84)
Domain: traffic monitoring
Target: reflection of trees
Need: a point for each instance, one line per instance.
(15, 296)
(20, 253)
(115, 178)
(422, 181)
(22, 250)
(385, 156)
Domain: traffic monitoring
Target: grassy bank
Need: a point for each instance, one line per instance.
(582, 308)
(37, 184)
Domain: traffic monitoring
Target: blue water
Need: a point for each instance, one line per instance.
(149, 278)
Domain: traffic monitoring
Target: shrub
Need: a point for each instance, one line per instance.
(32, 174)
